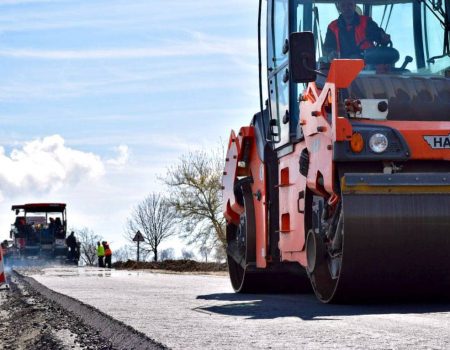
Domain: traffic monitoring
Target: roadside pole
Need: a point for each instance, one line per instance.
(138, 238)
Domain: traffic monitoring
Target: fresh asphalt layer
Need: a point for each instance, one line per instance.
(184, 311)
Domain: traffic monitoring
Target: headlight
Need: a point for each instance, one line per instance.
(378, 143)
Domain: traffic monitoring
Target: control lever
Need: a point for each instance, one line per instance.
(408, 59)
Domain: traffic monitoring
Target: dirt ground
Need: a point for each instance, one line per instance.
(172, 265)
(30, 322)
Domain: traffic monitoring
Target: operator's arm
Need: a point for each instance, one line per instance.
(330, 44)
(375, 33)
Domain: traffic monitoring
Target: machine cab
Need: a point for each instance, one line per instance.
(40, 229)
(419, 33)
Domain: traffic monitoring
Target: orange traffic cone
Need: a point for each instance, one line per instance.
(3, 283)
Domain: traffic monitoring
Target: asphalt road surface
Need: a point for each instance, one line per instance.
(184, 311)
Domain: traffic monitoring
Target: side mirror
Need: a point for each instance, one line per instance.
(302, 57)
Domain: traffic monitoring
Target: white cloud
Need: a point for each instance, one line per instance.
(44, 165)
(123, 155)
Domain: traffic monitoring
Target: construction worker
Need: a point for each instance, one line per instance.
(100, 254)
(351, 34)
(71, 242)
(108, 254)
(59, 229)
(51, 226)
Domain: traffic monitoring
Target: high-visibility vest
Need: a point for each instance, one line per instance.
(108, 251)
(360, 33)
(100, 250)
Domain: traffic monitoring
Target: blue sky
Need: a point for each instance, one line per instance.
(98, 98)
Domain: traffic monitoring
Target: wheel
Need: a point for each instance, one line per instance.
(241, 255)
(236, 259)
(324, 245)
(241, 243)
(244, 276)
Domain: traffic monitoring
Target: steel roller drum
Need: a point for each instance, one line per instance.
(396, 244)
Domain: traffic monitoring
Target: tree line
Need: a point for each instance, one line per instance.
(191, 208)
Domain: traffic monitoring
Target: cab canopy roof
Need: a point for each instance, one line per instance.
(40, 207)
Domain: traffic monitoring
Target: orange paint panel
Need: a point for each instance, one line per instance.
(320, 136)
(415, 133)
(299, 257)
(421, 149)
(343, 72)
(320, 163)
(313, 116)
(292, 235)
(342, 130)
(258, 172)
(232, 209)
(256, 169)
(313, 106)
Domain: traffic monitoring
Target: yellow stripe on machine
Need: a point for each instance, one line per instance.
(401, 183)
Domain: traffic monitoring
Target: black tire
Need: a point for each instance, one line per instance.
(324, 254)
(241, 255)
(241, 242)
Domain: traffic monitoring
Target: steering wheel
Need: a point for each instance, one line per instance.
(381, 55)
(388, 44)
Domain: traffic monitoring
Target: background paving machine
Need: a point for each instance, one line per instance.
(342, 182)
(38, 234)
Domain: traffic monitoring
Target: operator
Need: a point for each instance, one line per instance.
(71, 242)
(351, 34)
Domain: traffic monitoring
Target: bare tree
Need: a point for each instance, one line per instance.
(155, 218)
(88, 245)
(167, 254)
(205, 251)
(195, 193)
(187, 254)
(129, 252)
(220, 254)
(125, 253)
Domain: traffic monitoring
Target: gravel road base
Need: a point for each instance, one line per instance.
(34, 317)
